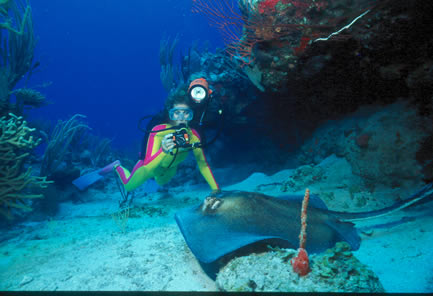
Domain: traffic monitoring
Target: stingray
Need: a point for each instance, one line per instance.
(240, 219)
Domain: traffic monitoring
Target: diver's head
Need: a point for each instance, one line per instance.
(181, 114)
(179, 110)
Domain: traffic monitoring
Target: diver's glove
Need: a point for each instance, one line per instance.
(167, 143)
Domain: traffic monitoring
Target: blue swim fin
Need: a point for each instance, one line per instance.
(86, 180)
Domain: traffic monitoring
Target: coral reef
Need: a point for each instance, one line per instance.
(16, 58)
(16, 141)
(169, 75)
(335, 183)
(274, 32)
(28, 98)
(289, 23)
(336, 270)
(63, 135)
(93, 151)
(379, 143)
(303, 81)
(174, 75)
(303, 176)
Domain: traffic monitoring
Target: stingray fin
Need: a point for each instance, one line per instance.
(386, 225)
(423, 195)
(347, 233)
(224, 240)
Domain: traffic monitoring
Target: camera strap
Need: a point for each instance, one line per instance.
(174, 157)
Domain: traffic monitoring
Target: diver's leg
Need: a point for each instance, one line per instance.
(122, 173)
(140, 174)
(165, 176)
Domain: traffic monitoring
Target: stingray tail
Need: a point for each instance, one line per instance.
(423, 195)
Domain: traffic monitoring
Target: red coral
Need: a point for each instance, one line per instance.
(301, 263)
(320, 5)
(268, 6)
(301, 6)
(244, 26)
(302, 46)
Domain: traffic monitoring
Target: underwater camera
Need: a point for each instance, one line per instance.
(181, 138)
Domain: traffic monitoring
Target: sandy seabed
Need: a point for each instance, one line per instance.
(82, 248)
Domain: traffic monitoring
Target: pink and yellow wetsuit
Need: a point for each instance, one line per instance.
(156, 164)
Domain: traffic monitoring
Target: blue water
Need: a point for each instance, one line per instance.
(102, 58)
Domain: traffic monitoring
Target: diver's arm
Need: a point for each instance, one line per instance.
(205, 169)
(203, 165)
(155, 142)
(144, 169)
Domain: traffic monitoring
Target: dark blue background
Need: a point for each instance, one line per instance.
(102, 57)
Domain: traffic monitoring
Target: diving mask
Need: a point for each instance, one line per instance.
(181, 114)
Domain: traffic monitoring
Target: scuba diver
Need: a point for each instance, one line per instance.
(168, 145)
